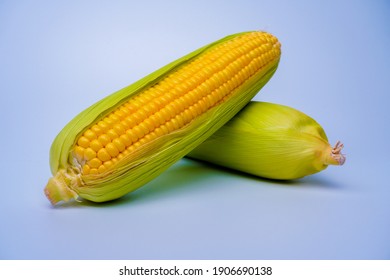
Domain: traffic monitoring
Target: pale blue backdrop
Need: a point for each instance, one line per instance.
(59, 57)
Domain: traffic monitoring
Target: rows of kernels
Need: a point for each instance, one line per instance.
(167, 106)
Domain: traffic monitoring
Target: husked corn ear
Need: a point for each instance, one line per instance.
(272, 141)
(130, 137)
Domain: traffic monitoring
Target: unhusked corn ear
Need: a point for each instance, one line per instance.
(130, 137)
(272, 141)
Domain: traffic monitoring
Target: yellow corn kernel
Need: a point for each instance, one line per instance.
(112, 134)
(95, 163)
(104, 155)
(141, 130)
(103, 139)
(93, 171)
(119, 145)
(83, 142)
(97, 130)
(89, 154)
(96, 144)
(112, 150)
(86, 169)
(108, 164)
(102, 169)
(125, 140)
(90, 135)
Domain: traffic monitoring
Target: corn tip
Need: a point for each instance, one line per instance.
(56, 190)
(336, 157)
(336, 153)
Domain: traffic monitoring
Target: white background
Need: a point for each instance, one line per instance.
(59, 57)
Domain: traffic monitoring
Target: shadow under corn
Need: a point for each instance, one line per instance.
(317, 180)
(186, 175)
(192, 175)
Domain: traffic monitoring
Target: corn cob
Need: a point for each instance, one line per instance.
(130, 137)
(271, 141)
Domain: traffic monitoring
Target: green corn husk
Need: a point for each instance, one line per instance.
(271, 141)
